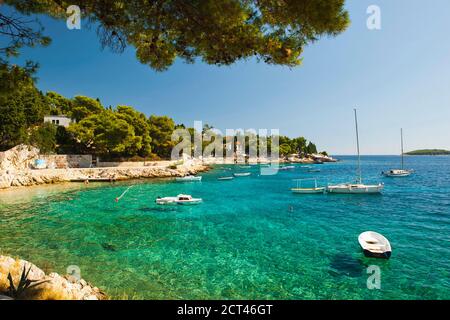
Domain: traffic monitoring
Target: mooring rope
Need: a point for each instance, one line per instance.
(123, 193)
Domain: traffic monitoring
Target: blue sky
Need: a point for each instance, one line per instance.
(398, 76)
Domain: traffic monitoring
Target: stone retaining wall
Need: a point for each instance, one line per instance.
(63, 161)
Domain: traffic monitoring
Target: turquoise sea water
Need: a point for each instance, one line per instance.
(250, 239)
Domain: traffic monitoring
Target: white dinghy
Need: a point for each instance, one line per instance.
(358, 187)
(189, 178)
(183, 199)
(375, 245)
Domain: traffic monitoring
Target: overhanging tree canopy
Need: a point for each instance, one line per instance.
(219, 32)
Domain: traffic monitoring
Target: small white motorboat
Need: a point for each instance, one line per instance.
(242, 174)
(225, 178)
(375, 245)
(311, 190)
(183, 199)
(189, 178)
(245, 167)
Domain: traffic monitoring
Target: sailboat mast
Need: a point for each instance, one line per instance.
(357, 144)
(401, 135)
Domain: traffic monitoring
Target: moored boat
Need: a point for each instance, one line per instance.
(309, 190)
(183, 199)
(225, 178)
(399, 172)
(286, 168)
(359, 187)
(355, 188)
(189, 178)
(375, 245)
(242, 174)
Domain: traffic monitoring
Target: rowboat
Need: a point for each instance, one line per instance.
(375, 245)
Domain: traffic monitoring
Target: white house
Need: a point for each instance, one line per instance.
(61, 120)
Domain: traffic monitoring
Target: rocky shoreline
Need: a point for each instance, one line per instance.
(30, 177)
(16, 169)
(53, 286)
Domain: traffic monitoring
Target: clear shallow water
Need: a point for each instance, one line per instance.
(251, 238)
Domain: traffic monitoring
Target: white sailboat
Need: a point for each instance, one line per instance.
(359, 187)
(398, 172)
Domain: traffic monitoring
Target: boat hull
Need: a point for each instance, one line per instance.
(380, 255)
(375, 245)
(189, 179)
(399, 174)
(355, 189)
(308, 191)
(242, 174)
(176, 202)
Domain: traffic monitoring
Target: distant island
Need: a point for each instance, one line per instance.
(428, 152)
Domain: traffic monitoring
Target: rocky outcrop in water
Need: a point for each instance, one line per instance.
(55, 287)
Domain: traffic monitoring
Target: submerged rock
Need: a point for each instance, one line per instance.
(109, 247)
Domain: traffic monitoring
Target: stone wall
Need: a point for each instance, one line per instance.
(64, 161)
(22, 157)
(132, 164)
